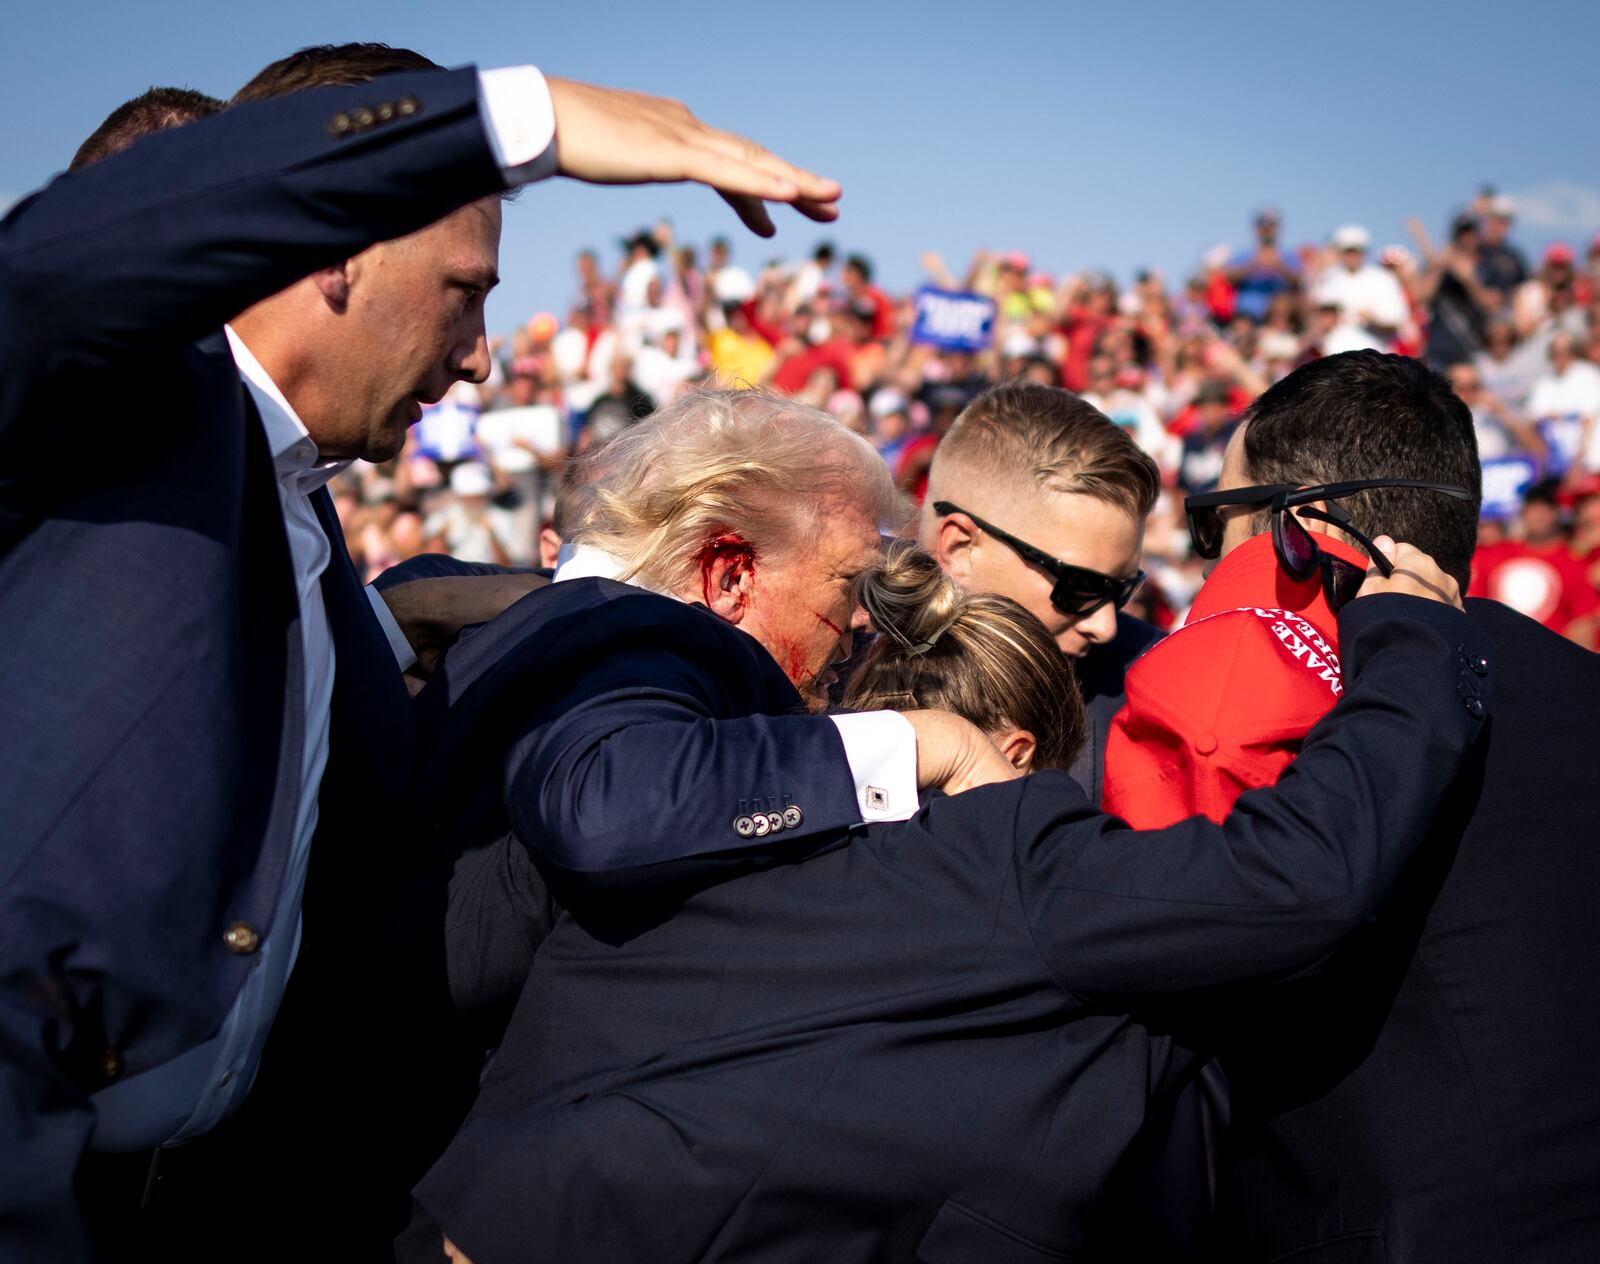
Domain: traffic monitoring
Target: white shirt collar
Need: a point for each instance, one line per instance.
(293, 449)
(588, 562)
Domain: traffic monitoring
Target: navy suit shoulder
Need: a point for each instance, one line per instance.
(1433, 1095)
(587, 686)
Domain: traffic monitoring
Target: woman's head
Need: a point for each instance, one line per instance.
(979, 655)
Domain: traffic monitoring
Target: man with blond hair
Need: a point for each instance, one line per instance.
(1038, 496)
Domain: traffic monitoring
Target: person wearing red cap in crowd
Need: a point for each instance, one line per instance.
(1540, 575)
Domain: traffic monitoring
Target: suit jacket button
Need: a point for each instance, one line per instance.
(763, 824)
(1474, 707)
(242, 938)
(111, 1064)
(405, 107)
(1480, 664)
(339, 124)
(744, 826)
(385, 111)
(775, 822)
(363, 118)
(792, 816)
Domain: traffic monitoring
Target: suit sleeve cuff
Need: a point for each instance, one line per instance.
(404, 655)
(520, 121)
(881, 749)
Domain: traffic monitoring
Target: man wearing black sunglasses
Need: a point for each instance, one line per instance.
(1036, 495)
(1436, 1099)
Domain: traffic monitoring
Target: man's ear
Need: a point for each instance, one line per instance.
(952, 546)
(1317, 525)
(727, 576)
(334, 285)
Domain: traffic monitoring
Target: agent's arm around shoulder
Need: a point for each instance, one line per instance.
(1296, 866)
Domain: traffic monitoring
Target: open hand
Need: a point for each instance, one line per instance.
(612, 136)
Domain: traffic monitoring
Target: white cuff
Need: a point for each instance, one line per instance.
(404, 655)
(881, 749)
(520, 121)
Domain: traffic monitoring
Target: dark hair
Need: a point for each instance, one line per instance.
(328, 65)
(824, 251)
(979, 655)
(1366, 414)
(861, 264)
(154, 110)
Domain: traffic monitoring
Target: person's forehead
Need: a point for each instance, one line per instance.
(1075, 528)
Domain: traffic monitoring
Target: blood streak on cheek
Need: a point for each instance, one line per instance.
(829, 623)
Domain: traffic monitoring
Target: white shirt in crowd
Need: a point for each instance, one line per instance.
(1368, 298)
(1568, 403)
(511, 437)
(194, 1092)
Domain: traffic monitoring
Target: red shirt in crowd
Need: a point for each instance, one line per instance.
(1082, 329)
(1222, 705)
(1543, 581)
(882, 310)
(792, 375)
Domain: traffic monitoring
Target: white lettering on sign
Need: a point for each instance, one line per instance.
(953, 316)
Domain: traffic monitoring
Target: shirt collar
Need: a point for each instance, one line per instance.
(588, 562)
(294, 452)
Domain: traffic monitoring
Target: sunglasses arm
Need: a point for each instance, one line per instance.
(1384, 565)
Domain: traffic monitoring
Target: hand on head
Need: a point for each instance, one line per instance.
(1415, 575)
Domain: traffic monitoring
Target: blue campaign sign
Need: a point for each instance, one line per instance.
(1504, 481)
(954, 320)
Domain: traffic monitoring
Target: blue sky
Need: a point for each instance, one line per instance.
(1108, 136)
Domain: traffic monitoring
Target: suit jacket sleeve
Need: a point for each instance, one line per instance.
(160, 245)
(1297, 866)
(640, 772)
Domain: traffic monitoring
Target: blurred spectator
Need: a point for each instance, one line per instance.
(1565, 405)
(1501, 266)
(811, 277)
(1259, 274)
(1371, 304)
(861, 292)
(525, 442)
(1504, 374)
(1457, 304)
(1538, 574)
(1200, 462)
(469, 526)
(1499, 428)
(621, 404)
(639, 273)
(729, 282)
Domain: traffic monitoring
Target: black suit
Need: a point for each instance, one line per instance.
(150, 768)
(919, 1039)
(1437, 1095)
(1102, 675)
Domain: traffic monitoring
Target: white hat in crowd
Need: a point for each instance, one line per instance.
(471, 478)
(1351, 237)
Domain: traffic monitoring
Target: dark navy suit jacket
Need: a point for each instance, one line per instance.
(935, 1038)
(1436, 1094)
(148, 768)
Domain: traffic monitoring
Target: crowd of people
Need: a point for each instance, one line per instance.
(1174, 365)
(812, 856)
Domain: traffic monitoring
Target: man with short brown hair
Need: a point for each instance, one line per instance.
(153, 110)
(1038, 496)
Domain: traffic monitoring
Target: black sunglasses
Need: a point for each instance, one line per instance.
(1078, 591)
(1295, 547)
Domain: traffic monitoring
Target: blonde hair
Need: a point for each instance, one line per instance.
(978, 654)
(720, 462)
(1034, 436)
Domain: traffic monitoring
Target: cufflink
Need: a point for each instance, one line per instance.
(877, 799)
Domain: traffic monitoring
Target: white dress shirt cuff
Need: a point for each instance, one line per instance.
(521, 122)
(881, 749)
(404, 655)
